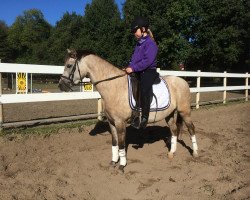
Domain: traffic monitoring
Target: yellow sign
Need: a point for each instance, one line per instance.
(87, 87)
(21, 83)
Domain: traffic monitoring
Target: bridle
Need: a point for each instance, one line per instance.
(71, 76)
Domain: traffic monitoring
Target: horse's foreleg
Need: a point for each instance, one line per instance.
(115, 148)
(118, 144)
(121, 132)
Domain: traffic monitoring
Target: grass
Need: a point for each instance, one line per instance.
(47, 130)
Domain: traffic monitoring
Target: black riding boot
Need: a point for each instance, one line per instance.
(140, 122)
(145, 110)
(136, 122)
(144, 122)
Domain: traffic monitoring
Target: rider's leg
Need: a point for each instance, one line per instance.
(147, 80)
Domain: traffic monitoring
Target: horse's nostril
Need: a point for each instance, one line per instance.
(63, 87)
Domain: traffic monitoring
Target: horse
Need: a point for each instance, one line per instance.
(112, 84)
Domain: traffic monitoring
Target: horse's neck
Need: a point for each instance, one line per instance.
(101, 70)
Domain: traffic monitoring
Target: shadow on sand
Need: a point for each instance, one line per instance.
(138, 138)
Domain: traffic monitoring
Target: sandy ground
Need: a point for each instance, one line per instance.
(74, 164)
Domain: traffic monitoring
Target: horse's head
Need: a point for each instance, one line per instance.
(72, 74)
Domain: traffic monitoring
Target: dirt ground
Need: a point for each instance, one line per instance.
(74, 164)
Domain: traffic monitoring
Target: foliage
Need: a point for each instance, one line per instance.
(203, 34)
(102, 31)
(63, 35)
(4, 46)
(27, 36)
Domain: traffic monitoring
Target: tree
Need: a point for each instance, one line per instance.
(5, 52)
(207, 35)
(63, 35)
(102, 31)
(27, 34)
(220, 34)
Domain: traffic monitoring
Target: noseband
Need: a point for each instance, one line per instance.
(71, 75)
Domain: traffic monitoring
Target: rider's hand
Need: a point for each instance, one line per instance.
(129, 70)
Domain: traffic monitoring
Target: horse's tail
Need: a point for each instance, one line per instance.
(179, 124)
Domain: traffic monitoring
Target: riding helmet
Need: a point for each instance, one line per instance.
(139, 22)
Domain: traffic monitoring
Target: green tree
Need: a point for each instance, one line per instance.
(102, 31)
(203, 34)
(5, 52)
(63, 35)
(220, 35)
(27, 35)
(170, 22)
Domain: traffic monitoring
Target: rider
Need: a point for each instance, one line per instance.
(143, 63)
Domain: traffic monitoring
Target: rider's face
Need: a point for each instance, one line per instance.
(138, 33)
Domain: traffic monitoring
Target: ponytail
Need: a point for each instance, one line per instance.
(150, 34)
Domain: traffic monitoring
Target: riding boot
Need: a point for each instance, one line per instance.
(144, 122)
(136, 122)
(145, 111)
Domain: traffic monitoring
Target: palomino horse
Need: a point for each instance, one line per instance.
(112, 85)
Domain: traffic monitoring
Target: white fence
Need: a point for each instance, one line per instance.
(46, 69)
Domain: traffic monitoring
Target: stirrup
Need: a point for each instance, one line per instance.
(136, 123)
(144, 122)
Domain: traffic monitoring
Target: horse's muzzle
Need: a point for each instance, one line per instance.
(64, 85)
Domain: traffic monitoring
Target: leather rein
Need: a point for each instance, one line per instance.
(71, 76)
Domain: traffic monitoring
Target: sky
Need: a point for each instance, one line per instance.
(52, 10)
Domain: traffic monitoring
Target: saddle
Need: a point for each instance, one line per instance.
(135, 84)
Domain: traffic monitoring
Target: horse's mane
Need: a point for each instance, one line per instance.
(78, 54)
(83, 53)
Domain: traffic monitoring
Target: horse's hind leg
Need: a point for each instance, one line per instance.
(186, 116)
(174, 131)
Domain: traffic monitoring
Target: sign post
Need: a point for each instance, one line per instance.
(87, 86)
(21, 83)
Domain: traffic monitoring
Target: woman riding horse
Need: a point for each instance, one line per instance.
(143, 63)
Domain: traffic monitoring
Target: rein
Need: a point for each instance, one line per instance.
(71, 76)
(108, 79)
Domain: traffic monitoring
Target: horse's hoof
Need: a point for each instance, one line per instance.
(112, 164)
(195, 154)
(121, 169)
(170, 155)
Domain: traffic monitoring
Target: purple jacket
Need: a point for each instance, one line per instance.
(144, 56)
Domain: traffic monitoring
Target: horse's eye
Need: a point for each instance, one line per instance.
(68, 65)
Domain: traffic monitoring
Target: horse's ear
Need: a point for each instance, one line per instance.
(70, 51)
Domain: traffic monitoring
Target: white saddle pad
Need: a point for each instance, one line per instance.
(161, 92)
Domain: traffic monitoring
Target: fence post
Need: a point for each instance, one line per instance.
(198, 84)
(246, 91)
(99, 109)
(12, 81)
(1, 105)
(31, 83)
(225, 87)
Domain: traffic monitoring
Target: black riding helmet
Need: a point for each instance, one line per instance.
(139, 22)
